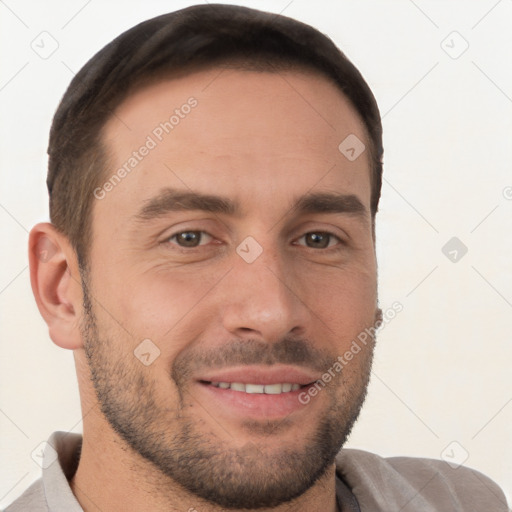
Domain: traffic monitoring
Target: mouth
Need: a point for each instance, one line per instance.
(258, 389)
(256, 392)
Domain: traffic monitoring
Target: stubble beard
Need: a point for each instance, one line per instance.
(246, 477)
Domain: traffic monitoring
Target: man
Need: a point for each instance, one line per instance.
(214, 177)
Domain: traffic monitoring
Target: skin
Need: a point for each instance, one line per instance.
(263, 140)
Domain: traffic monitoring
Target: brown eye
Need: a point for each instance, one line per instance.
(319, 240)
(189, 238)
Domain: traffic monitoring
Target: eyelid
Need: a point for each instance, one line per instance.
(325, 232)
(168, 239)
(315, 226)
(200, 225)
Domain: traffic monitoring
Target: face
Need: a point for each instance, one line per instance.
(232, 263)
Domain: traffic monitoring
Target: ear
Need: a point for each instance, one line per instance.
(56, 284)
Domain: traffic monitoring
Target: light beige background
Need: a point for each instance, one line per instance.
(442, 381)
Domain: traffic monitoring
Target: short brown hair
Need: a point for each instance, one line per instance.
(197, 37)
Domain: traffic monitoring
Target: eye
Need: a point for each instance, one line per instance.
(190, 238)
(319, 240)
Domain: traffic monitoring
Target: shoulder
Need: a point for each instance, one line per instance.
(416, 484)
(32, 500)
(52, 491)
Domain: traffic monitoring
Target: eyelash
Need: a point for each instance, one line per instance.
(188, 249)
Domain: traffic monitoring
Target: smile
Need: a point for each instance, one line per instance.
(268, 389)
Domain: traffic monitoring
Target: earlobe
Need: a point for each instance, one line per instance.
(56, 284)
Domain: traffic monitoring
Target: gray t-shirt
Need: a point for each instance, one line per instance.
(365, 482)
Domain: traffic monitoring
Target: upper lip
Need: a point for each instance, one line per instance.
(261, 374)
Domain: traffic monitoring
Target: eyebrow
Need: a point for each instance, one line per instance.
(172, 200)
(331, 202)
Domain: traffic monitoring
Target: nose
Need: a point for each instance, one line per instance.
(263, 300)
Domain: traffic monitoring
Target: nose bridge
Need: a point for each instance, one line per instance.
(262, 296)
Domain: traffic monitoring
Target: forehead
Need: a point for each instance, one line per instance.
(241, 101)
(232, 131)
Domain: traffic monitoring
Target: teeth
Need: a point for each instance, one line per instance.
(268, 389)
(274, 389)
(254, 388)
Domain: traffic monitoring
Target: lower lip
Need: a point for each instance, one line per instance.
(254, 405)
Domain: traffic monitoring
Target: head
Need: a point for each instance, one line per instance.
(209, 227)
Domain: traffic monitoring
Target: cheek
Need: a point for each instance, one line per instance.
(343, 298)
(155, 304)
(344, 309)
